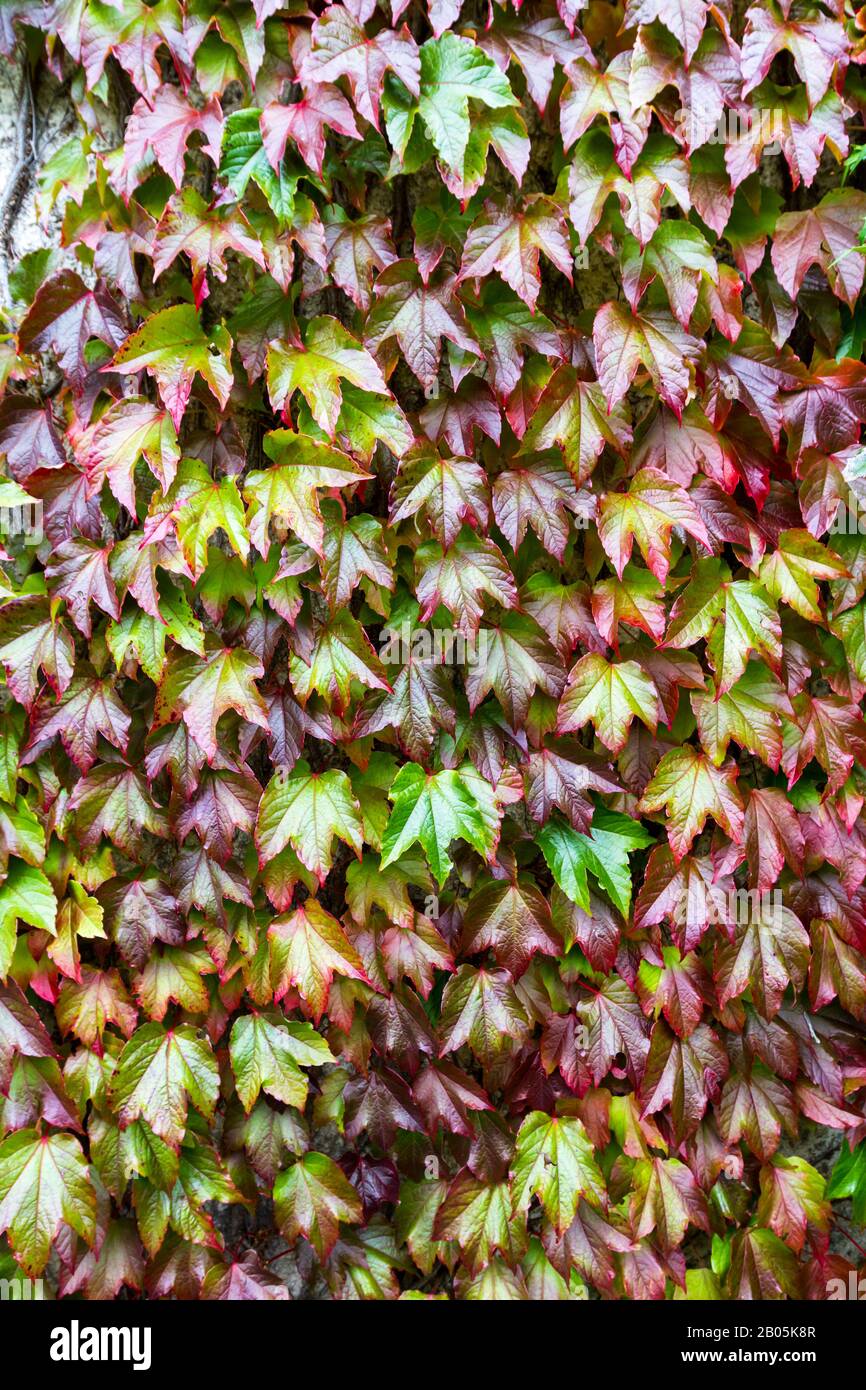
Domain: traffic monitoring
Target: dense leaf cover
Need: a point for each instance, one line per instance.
(431, 780)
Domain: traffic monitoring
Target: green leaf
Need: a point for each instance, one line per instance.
(311, 1199)
(603, 853)
(735, 616)
(433, 809)
(308, 947)
(556, 1162)
(453, 72)
(267, 1053)
(848, 1179)
(44, 1181)
(610, 694)
(691, 788)
(330, 354)
(306, 810)
(200, 691)
(158, 1073)
(243, 159)
(198, 505)
(27, 896)
(288, 491)
(172, 347)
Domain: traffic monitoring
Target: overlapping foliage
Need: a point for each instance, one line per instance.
(422, 651)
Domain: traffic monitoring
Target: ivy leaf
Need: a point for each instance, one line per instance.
(22, 1032)
(419, 315)
(433, 809)
(196, 506)
(307, 948)
(680, 258)
(735, 616)
(174, 976)
(755, 1106)
(353, 549)
(573, 414)
(616, 1026)
(341, 654)
(90, 708)
(603, 852)
(128, 431)
(340, 48)
(666, 1201)
(138, 912)
(762, 1266)
(793, 1200)
(556, 1162)
(504, 327)
(453, 71)
(541, 497)
(306, 810)
(691, 788)
(159, 128)
(446, 1096)
(81, 575)
(114, 800)
(203, 234)
(513, 920)
(224, 680)
(64, 316)
(837, 969)
(848, 1179)
(450, 491)
(44, 1182)
(288, 491)
(825, 235)
(773, 836)
(749, 713)
(684, 1074)
(357, 250)
(244, 1280)
(647, 513)
(459, 576)
(27, 896)
(481, 1007)
(304, 122)
(656, 168)
(158, 1073)
(634, 599)
(419, 705)
(768, 952)
(816, 46)
(624, 342)
(243, 160)
(610, 694)
(792, 572)
(563, 777)
(828, 729)
(510, 240)
(366, 419)
(33, 640)
(311, 1199)
(28, 436)
(456, 417)
(480, 1218)
(267, 1055)
(172, 347)
(754, 372)
(518, 658)
(329, 354)
(685, 25)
